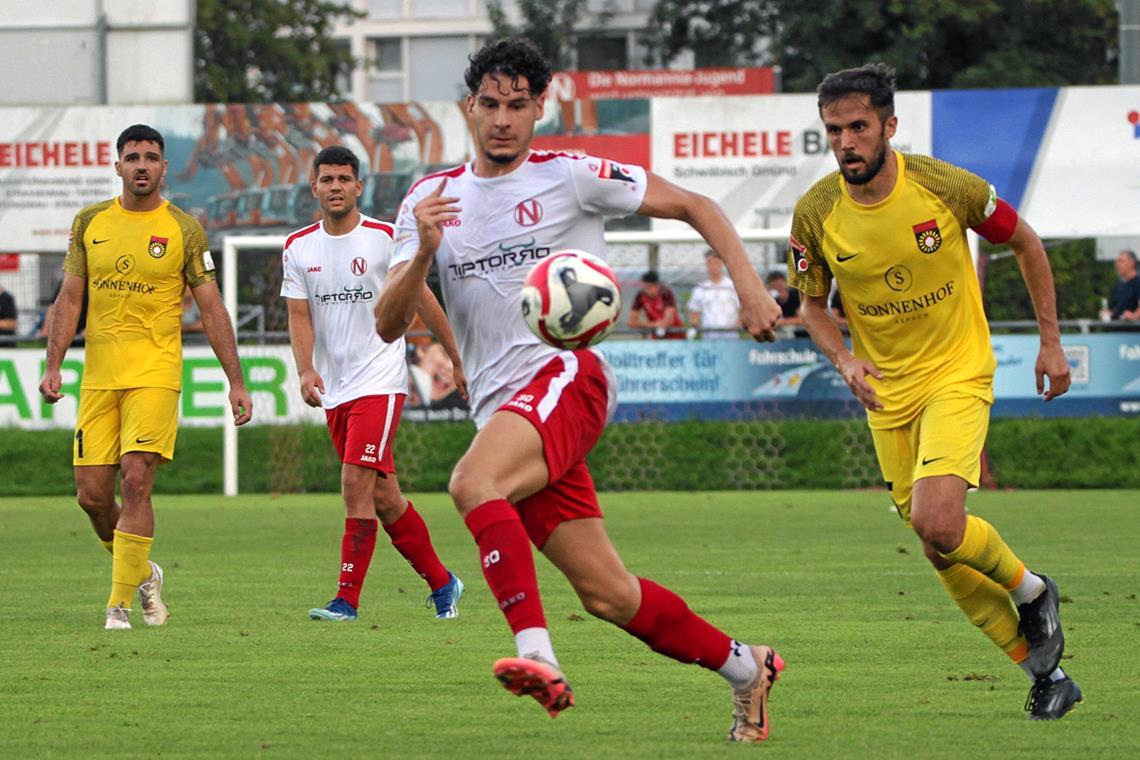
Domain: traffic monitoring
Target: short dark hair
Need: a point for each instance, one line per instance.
(139, 133)
(514, 57)
(651, 277)
(777, 274)
(336, 155)
(876, 80)
(1130, 254)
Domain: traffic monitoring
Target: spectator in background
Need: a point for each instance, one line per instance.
(8, 316)
(1125, 300)
(787, 298)
(655, 307)
(714, 306)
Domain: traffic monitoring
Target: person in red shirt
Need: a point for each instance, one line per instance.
(655, 309)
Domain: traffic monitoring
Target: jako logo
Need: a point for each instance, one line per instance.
(1134, 120)
(528, 213)
(314, 269)
(359, 266)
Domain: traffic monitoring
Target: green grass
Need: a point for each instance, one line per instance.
(880, 662)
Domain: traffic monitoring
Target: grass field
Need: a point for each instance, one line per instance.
(880, 662)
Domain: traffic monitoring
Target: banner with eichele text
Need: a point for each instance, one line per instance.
(757, 156)
(669, 380)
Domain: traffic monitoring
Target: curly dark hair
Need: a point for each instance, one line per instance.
(514, 57)
(877, 80)
(336, 155)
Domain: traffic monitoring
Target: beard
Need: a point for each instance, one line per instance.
(502, 158)
(872, 168)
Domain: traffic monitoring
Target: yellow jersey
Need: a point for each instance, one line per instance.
(906, 278)
(136, 264)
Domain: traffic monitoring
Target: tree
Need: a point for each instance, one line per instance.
(259, 51)
(931, 43)
(549, 24)
(718, 33)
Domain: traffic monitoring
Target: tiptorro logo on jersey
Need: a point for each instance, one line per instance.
(346, 296)
(508, 256)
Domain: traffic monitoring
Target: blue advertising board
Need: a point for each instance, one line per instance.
(673, 380)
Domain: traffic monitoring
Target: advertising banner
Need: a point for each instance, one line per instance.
(656, 83)
(666, 380)
(757, 156)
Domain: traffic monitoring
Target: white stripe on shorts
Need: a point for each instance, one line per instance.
(558, 384)
(389, 413)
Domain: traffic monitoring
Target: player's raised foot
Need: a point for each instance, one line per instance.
(750, 704)
(1040, 624)
(534, 676)
(1050, 700)
(150, 597)
(118, 619)
(338, 611)
(446, 599)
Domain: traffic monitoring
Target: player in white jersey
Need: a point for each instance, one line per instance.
(334, 272)
(540, 410)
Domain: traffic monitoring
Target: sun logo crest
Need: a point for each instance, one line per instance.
(157, 246)
(928, 236)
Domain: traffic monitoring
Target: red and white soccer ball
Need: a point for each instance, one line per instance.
(571, 299)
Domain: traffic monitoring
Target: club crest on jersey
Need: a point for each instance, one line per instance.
(799, 255)
(528, 213)
(610, 170)
(157, 246)
(359, 266)
(928, 236)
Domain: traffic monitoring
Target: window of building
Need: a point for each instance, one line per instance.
(597, 53)
(385, 54)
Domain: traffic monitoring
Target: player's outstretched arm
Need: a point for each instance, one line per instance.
(759, 312)
(1038, 276)
(825, 332)
(219, 331)
(436, 320)
(301, 339)
(403, 285)
(61, 331)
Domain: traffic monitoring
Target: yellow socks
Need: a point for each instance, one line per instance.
(984, 550)
(129, 567)
(987, 605)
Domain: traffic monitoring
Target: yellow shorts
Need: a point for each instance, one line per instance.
(112, 423)
(945, 439)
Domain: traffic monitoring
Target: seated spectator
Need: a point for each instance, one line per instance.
(8, 316)
(655, 308)
(1125, 301)
(714, 306)
(787, 298)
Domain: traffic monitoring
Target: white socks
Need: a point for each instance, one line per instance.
(1030, 588)
(1056, 675)
(536, 641)
(740, 668)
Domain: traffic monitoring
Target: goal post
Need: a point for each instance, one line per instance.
(630, 253)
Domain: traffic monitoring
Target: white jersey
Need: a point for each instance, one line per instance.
(553, 201)
(341, 277)
(718, 306)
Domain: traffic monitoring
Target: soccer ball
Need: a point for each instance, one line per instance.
(571, 299)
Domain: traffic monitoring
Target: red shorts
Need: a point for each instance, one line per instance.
(363, 429)
(568, 404)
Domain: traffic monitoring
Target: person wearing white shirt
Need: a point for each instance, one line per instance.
(714, 307)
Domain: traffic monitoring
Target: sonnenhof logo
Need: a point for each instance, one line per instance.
(508, 256)
(125, 286)
(907, 305)
(348, 295)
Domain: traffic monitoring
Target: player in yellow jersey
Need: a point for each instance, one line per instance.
(133, 255)
(890, 228)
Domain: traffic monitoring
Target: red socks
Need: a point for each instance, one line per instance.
(355, 556)
(669, 627)
(410, 536)
(508, 564)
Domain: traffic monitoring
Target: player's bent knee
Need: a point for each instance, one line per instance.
(609, 605)
(94, 502)
(467, 489)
